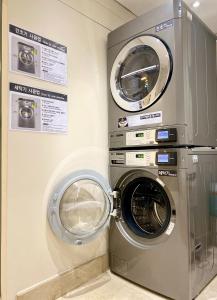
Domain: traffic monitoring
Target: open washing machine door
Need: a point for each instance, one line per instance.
(82, 204)
(140, 73)
(80, 207)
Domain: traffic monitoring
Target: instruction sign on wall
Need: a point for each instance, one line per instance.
(34, 109)
(36, 56)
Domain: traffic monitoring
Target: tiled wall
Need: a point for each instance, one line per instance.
(34, 162)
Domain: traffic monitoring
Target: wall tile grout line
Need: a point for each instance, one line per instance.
(84, 15)
(115, 14)
(127, 9)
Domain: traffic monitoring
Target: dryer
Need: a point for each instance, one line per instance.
(162, 209)
(26, 58)
(162, 76)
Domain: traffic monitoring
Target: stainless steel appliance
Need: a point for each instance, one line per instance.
(162, 76)
(164, 237)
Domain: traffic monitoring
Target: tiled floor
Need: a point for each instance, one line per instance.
(111, 287)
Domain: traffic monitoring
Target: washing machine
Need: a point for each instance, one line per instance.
(161, 205)
(162, 80)
(26, 113)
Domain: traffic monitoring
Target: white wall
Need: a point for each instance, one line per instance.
(34, 162)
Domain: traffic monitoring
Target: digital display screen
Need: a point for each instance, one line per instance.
(140, 155)
(140, 134)
(163, 158)
(164, 134)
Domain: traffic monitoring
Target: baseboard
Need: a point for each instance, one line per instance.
(63, 283)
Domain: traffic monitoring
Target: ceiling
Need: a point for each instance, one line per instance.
(207, 10)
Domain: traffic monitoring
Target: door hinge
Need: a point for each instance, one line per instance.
(116, 213)
(115, 194)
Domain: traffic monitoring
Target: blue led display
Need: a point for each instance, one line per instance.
(164, 134)
(163, 158)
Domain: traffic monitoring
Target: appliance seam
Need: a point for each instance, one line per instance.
(84, 15)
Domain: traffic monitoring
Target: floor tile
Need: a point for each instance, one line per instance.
(111, 287)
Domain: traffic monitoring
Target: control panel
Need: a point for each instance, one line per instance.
(141, 137)
(151, 136)
(144, 158)
(133, 158)
(140, 158)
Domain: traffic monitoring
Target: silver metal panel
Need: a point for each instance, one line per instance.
(202, 188)
(162, 14)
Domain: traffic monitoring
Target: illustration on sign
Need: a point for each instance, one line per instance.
(37, 56)
(37, 110)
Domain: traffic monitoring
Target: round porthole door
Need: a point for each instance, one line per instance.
(147, 209)
(80, 207)
(140, 73)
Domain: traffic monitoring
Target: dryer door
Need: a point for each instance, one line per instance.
(147, 209)
(140, 73)
(80, 207)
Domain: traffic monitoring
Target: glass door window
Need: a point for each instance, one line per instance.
(140, 73)
(81, 207)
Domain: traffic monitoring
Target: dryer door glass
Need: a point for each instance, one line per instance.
(140, 73)
(82, 208)
(146, 207)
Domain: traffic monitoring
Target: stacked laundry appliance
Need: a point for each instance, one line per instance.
(163, 162)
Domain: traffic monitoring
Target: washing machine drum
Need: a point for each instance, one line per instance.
(146, 207)
(140, 73)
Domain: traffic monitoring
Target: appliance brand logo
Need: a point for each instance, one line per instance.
(170, 173)
(164, 25)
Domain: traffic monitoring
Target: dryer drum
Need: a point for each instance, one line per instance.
(135, 81)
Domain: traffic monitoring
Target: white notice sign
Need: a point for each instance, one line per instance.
(145, 119)
(36, 56)
(141, 119)
(34, 109)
